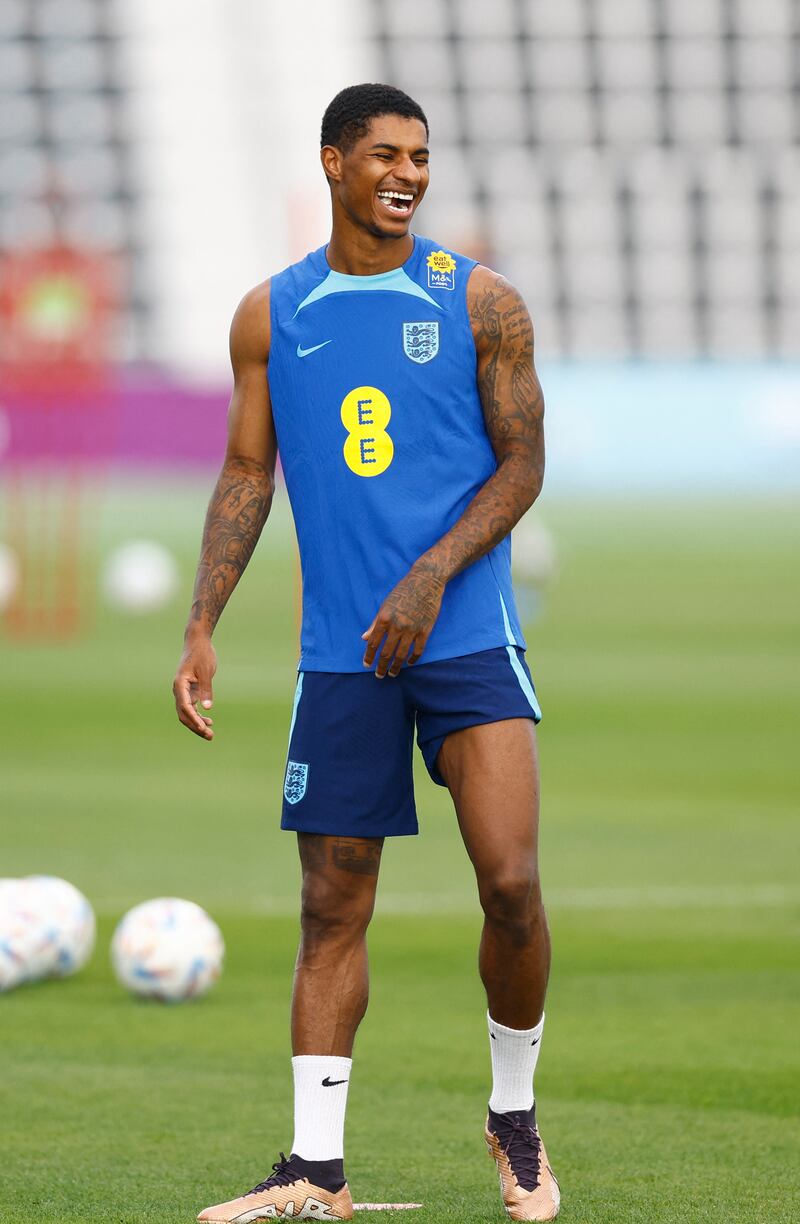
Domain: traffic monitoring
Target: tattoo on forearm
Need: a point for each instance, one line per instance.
(236, 514)
(513, 409)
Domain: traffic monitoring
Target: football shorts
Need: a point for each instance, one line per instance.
(349, 769)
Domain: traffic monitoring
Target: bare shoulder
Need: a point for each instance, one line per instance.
(250, 329)
(497, 310)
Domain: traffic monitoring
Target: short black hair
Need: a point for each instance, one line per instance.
(348, 116)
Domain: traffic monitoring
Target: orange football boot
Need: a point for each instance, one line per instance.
(286, 1194)
(527, 1183)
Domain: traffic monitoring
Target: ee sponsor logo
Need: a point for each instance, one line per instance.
(368, 449)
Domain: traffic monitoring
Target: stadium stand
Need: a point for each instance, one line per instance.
(631, 164)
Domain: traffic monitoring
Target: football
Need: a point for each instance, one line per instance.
(47, 929)
(167, 949)
(69, 921)
(140, 577)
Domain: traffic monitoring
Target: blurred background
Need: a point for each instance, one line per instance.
(633, 166)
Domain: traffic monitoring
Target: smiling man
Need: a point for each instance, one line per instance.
(396, 377)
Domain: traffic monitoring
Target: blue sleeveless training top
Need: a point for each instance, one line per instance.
(383, 445)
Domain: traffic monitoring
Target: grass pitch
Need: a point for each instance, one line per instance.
(667, 1086)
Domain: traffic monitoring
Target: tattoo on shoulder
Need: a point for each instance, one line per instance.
(510, 392)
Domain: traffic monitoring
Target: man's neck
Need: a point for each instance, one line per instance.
(356, 252)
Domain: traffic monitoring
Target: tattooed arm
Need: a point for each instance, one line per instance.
(238, 508)
(513, 410)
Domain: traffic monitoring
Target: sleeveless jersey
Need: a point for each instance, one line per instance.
(383, 445)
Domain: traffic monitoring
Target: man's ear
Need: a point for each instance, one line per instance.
(331, 159)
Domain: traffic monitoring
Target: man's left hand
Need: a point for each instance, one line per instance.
(405, 621)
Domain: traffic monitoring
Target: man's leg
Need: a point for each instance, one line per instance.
(340, 875)
(331, 984)
(331, 989)
(492, 773)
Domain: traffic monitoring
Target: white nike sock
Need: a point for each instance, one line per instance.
(320, 1099)
(514, 1055)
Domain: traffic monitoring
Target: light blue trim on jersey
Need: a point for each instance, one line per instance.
(513, 658)
(298, 692)
(396, 281)
(506, 622)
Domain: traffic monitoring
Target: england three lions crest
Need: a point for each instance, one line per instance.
(421, 341)
(294, 788)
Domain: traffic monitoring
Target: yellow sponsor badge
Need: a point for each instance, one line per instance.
(365, 413)
(441, 270)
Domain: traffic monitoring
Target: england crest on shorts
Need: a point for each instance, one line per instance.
(294, 788)
(421, 341)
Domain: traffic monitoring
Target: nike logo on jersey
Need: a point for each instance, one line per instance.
(301, 352)
(329, 1083)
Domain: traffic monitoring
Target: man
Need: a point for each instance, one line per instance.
(397, 380)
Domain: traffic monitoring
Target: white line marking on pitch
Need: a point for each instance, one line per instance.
(657, 896)
(385, 1206)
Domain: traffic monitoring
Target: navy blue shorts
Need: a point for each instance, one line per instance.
(351, 740)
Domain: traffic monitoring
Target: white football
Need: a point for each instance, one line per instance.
(26, 944)
(167, 949)
(534, 558)
(140, 577)
(69, 921)
(9, 575)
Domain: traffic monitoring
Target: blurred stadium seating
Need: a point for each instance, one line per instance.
(633, 164)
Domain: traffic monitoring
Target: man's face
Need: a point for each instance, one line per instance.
(381, 180)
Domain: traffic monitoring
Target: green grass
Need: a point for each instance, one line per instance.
(666, 662)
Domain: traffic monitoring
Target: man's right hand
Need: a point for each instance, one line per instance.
(192, 685)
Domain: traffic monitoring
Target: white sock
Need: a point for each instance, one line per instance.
(514, 1055)
(320, 1099)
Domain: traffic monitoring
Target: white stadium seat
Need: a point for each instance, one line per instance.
(763, 63)
(733, 330)
(81, 118)
(73, 64)
(20, 119)
(591, 221)
(694, 17)
(699, 118)
(422, 63)
(627, 63)
(66, 18)
(427, 17)
(630, 118)
(563, 117)
(695, 63)
(477, 19)
(593, 276)
(623, 19)
(665, 275)
(23, 171)
(557, 63)
(496, 116)
(733, 276)
(566, 19)
(761, 17)
(668, 330)
(491, 62)
(767, 117)
(599, 330)
(17, 68)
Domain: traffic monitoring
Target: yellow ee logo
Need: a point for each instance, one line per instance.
(368, 450)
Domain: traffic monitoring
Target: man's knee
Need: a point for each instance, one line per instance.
(512, 900)
(331, 909)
